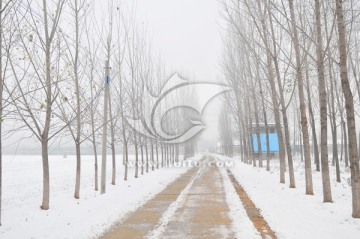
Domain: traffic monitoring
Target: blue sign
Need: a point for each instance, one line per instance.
(107, 80)
(273, 141)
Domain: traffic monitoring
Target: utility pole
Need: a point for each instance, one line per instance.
(105, 119)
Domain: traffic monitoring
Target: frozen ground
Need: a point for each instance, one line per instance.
(87, 217)
(292, 214)
(289, 212)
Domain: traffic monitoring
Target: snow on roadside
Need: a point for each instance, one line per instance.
(291, 213)
(87, 217)
(242, 225)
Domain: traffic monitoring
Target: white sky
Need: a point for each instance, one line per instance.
(187, 33)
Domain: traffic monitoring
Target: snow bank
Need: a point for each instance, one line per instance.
(242, 225)
(87, 217)
(291, 213)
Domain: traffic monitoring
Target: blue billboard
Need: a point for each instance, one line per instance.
(273, 140)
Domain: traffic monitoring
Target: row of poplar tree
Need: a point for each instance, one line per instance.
(296, 63)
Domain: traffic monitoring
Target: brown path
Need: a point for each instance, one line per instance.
(193, 206)
(141, 222)
(204, 213)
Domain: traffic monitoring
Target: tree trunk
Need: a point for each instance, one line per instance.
(45, 133)
(334, 133)
(147, 157)
(301, 148)
(258, 138)
(167, 155)
(78, 171)
(126, 161)
(93, 139)
(157, 155)
(313, 125)
(112, 145)
(152, 156)
(346, 146)
(304, 121)
(176, 152)
(142, 159)
(274, 97)
(105, 125)
(136, 159)
(78, 105)
(350, 112)
(46, 174)
(268, 154)
(94, 149)
(162, 155)
(323, 109)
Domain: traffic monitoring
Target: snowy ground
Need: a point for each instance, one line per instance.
(242, 225)
(289, 212)
(292, 214)
(87, 217)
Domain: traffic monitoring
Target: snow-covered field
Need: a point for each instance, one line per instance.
(87, 217)
(291, 213)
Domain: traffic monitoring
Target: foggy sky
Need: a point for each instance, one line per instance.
(187, 34)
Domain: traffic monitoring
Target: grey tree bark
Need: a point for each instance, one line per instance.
(323, 108)
(350, 111)
(300, 81)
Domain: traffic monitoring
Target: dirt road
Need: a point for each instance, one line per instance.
(193, 206)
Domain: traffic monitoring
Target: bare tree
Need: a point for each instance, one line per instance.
(350, 111)
(36, 111)
(300, 81)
